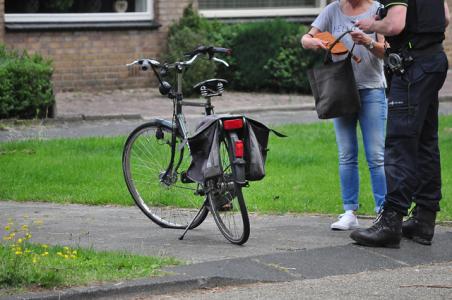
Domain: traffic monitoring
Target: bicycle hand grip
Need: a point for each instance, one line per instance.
(145, 65)
(226, 51)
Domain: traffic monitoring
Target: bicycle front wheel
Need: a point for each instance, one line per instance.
(226, 201)
(158, 193)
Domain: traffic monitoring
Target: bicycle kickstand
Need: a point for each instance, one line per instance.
(192, 221)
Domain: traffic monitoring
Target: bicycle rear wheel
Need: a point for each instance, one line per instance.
(226, 201)
(164, 199)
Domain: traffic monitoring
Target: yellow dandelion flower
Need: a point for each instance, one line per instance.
(27, 251)
(45, 246)
(28, 236)
(12, 234)
(35, 260)
(66, 256)
(24, 227)
(19, 241)
(66, 248)
(59, 254)
(74, 252)
(18, 253)
(45, 253)
(7, 227)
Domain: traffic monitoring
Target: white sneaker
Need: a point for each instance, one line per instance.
(347, 221)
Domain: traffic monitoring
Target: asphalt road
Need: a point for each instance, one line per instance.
(420, 282)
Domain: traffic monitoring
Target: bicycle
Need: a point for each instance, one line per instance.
(156, 157)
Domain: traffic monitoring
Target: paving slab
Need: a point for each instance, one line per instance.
(129, 229)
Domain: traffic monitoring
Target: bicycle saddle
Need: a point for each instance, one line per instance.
(211, 87)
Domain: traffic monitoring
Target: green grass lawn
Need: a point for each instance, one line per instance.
(302, 172)
(55, 266)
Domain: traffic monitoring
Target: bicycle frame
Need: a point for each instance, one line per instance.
(179, 124)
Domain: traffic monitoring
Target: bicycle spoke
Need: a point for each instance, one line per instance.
(166, 201)
(227, 203)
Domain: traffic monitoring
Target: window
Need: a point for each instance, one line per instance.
(259, 8)
(78, 11)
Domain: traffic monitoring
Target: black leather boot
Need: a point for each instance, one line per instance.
(386, 231)
(420, 227)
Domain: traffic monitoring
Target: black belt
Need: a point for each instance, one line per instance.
(429, 50)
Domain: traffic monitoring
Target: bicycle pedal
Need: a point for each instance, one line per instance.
(184, 178)
(226, 207)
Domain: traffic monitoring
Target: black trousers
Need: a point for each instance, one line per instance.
(412, 158)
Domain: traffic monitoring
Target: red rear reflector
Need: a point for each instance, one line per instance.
(239, 149)
(232, 124)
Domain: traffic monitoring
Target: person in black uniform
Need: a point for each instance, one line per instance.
(415, 32)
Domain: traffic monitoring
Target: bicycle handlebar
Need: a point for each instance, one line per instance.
(209, 50)
(145, 64)
(164, 87)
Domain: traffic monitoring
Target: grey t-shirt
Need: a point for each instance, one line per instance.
(368, 73)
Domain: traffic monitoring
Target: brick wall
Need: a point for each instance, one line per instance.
(448, 41)
(2, 27)
(86, 60)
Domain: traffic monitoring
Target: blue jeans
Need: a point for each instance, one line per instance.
(372, 120)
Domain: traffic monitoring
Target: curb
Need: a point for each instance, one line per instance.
(298, 107)
(81, 117)
(68, 119)
(445, 98)
(158, 286)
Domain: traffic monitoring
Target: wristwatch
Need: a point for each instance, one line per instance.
(371, 45)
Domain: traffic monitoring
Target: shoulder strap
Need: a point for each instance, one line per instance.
(279, 134)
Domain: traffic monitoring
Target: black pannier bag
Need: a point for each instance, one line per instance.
(256, 142)
(204, 147)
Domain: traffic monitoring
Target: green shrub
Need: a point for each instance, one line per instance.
(267, 55)
(191, 31)
(255, 44)
(287, 70)
(25, 85)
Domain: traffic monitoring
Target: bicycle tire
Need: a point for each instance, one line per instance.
(227, 205)
(146, 156)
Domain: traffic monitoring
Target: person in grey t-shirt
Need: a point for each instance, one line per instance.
(337, 18)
